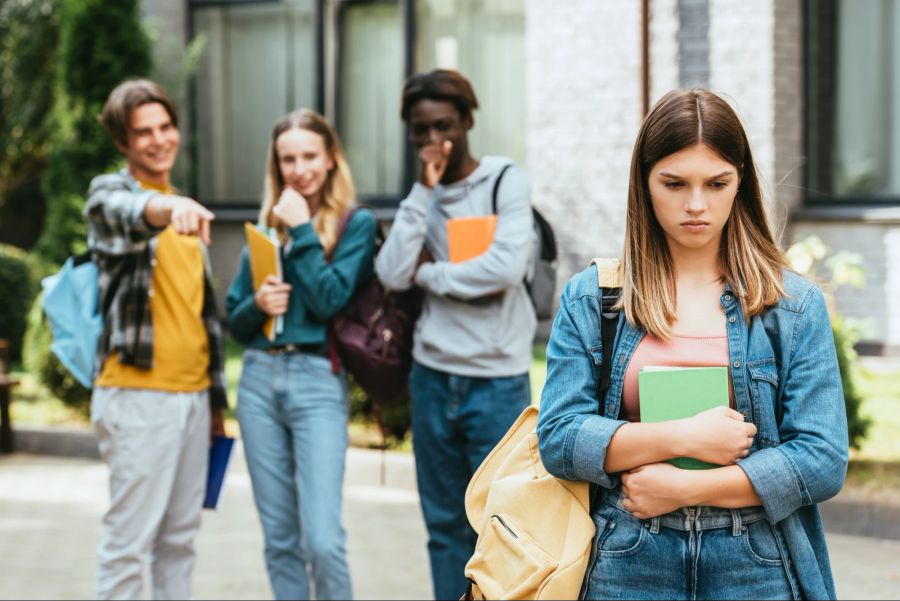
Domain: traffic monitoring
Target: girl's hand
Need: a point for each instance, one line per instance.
(655, 489)
(273, 296)
(292, 209)
(718, 435)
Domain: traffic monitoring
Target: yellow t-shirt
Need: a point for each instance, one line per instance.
(180, 343)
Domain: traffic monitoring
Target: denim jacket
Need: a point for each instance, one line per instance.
(786, 381)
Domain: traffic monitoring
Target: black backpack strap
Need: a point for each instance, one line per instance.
(610, 293)
(497, 187)
(609, 321)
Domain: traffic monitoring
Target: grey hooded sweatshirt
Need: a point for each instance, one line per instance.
(477, 319)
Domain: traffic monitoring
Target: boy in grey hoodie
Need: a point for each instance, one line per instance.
(472, 345)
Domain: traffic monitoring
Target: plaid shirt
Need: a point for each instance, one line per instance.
(123, 245)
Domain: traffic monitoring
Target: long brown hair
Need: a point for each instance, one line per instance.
(338, 192)
(749, 258)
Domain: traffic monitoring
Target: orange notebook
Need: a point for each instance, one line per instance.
(264, 260)
(469, 237)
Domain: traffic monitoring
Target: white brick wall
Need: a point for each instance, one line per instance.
(788, 125)
(663, 48)
(756, 63)
(583, 94)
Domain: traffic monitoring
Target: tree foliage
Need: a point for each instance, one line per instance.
(100, 44)
(29, 32)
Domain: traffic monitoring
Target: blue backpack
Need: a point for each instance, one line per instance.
(70, 302)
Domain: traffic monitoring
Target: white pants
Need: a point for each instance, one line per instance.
(156, 444)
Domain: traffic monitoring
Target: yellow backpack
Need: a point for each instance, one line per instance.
(534, 530)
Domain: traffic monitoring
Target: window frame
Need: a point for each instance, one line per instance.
(822, 202)
(384, 204)
(248, 208)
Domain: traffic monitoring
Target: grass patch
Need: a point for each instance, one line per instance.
(881, 391)
(31, 403)
(538, 372)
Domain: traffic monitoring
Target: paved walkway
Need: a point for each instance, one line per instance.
(50, 510)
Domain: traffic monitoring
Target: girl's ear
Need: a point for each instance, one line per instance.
(468, 121)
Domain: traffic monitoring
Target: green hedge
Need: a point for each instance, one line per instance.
(848, 363)
(100, 44)
(41, 361)
(19, 285)
(397, 419)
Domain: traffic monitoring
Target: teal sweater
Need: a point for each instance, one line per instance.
(318, 289)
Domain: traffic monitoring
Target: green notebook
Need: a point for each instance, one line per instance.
(668, 393)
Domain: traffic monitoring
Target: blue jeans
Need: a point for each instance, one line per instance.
(691, 553)
(456, 421)
(293, 415)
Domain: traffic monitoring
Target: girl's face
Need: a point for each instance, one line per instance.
(692, 192)
(303, 161)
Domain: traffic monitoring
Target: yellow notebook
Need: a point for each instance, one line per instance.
(469, 237)
(265, 260)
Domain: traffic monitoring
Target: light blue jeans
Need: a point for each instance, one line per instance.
(690, 553)
(293, 415)
(457, 421)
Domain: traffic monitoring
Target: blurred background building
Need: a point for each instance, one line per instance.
(563, 87)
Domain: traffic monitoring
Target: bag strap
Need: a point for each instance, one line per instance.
(497, 187)
(341, 228)
(609, 279)
(329, 256)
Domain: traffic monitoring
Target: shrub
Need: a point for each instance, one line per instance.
(845, 336)
(100, 45)
(19, 287)
(41, 361)
(812, 258)
(396, 418)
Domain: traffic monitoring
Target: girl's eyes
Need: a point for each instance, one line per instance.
(676, 185)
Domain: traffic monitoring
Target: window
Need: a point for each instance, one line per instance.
(853, 94)
(485, 40)
(264, 58)
(259, 63)
(371, 79)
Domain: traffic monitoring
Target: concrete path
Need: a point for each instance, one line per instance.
(50, 510)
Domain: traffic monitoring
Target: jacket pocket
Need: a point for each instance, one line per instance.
(518, 565)
(764, 396)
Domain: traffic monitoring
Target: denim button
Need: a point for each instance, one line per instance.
(737, 364)
(728, 297)
(732, 319)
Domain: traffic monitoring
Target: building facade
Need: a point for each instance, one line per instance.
(563, 87)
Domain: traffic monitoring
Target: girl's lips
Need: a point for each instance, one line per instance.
(695, 226)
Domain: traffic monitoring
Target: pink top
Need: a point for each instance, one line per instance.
(683, 351)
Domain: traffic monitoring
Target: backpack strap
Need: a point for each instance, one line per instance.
(609, 279)
(329, 256)
(497, 187)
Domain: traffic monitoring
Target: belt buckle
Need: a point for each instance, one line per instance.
(282, 350)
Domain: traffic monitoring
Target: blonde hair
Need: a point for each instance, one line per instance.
(749, 258)
(338, 192)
